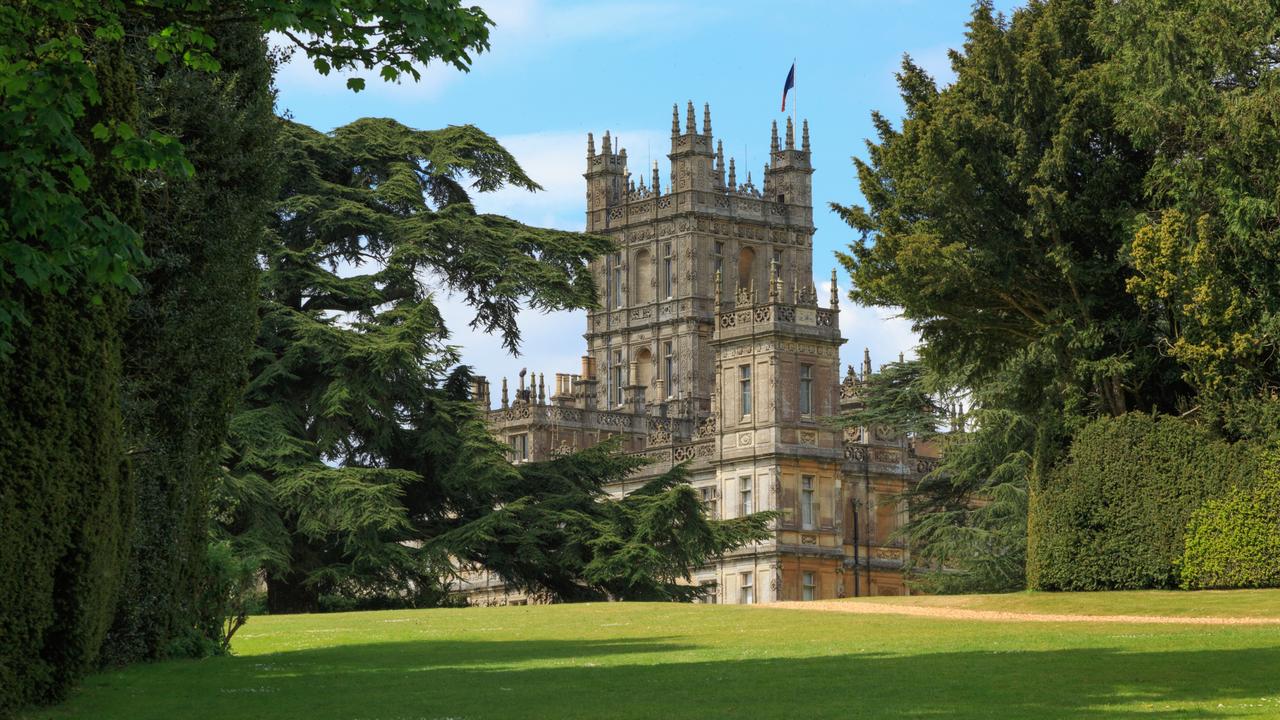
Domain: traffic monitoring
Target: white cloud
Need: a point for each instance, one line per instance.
(879, 330)
(521, 24)
(556, 161)
(520, 28)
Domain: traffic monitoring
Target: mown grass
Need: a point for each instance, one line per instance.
(677, 661)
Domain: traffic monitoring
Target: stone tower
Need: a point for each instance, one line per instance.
(680, 253)
(710, 348)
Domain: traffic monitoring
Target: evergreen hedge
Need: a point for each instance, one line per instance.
(64, 495)
(190, 331)
(1234, 541)
(1112, 515)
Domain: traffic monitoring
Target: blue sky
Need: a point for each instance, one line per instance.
(560, 69)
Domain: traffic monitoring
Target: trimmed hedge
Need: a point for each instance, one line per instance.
(190, 331)
(1234, 541)
(1112, 515)
(64, 495)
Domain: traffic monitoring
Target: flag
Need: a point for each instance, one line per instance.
(786, 86)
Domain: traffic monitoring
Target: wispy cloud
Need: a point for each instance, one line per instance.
(521, 28)
(556, 161)
(879, 330)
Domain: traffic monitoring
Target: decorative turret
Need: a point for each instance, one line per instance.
(787, 176)
(607, 182)
(692, 155)
(720, 163)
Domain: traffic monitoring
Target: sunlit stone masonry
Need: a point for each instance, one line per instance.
(710, 347)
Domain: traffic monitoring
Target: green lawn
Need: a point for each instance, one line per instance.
(705, 661)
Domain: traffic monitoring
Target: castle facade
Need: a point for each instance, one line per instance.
(710, 347)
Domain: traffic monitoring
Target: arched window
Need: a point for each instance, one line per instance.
(644, 371)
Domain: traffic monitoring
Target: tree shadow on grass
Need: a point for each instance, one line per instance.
(655, 678)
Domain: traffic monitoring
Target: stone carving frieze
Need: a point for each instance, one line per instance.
(706, 428)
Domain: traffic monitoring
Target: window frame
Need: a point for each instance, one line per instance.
(669, 366)
(808, 502)
(519, 447)
(615, 278)
(806, 389)
(668, 271)
(744, 390)
(616, 379)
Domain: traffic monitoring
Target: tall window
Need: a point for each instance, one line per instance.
(807, 508)
(519, 447)
(810, 586)
(745, 506)
(616, 280)
(618, 378)
(747, 591)
(668, 272)
(777, 260)
(806, 389)
(719, 258)
(709, 497)
(608, 372)
(669, 367)
(744, 383)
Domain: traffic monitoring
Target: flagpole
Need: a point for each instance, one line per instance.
(795, 98)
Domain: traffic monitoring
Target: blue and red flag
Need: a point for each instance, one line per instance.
(786, 87)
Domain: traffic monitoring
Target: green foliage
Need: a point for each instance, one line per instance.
(1200, 84)
(555, 530)
(901, 396)
(997, 216)
(968, 518)
(1233, 541)
(355, 441)
(190, 329)
(228, 594)
(58, 230)
(64, 494)
(1112, 516)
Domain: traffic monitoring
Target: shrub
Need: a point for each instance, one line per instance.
(1112, 515)
(64, 495)
(1234, 541)
(189, 333)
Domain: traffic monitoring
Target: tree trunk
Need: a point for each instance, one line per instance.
(288, 593)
